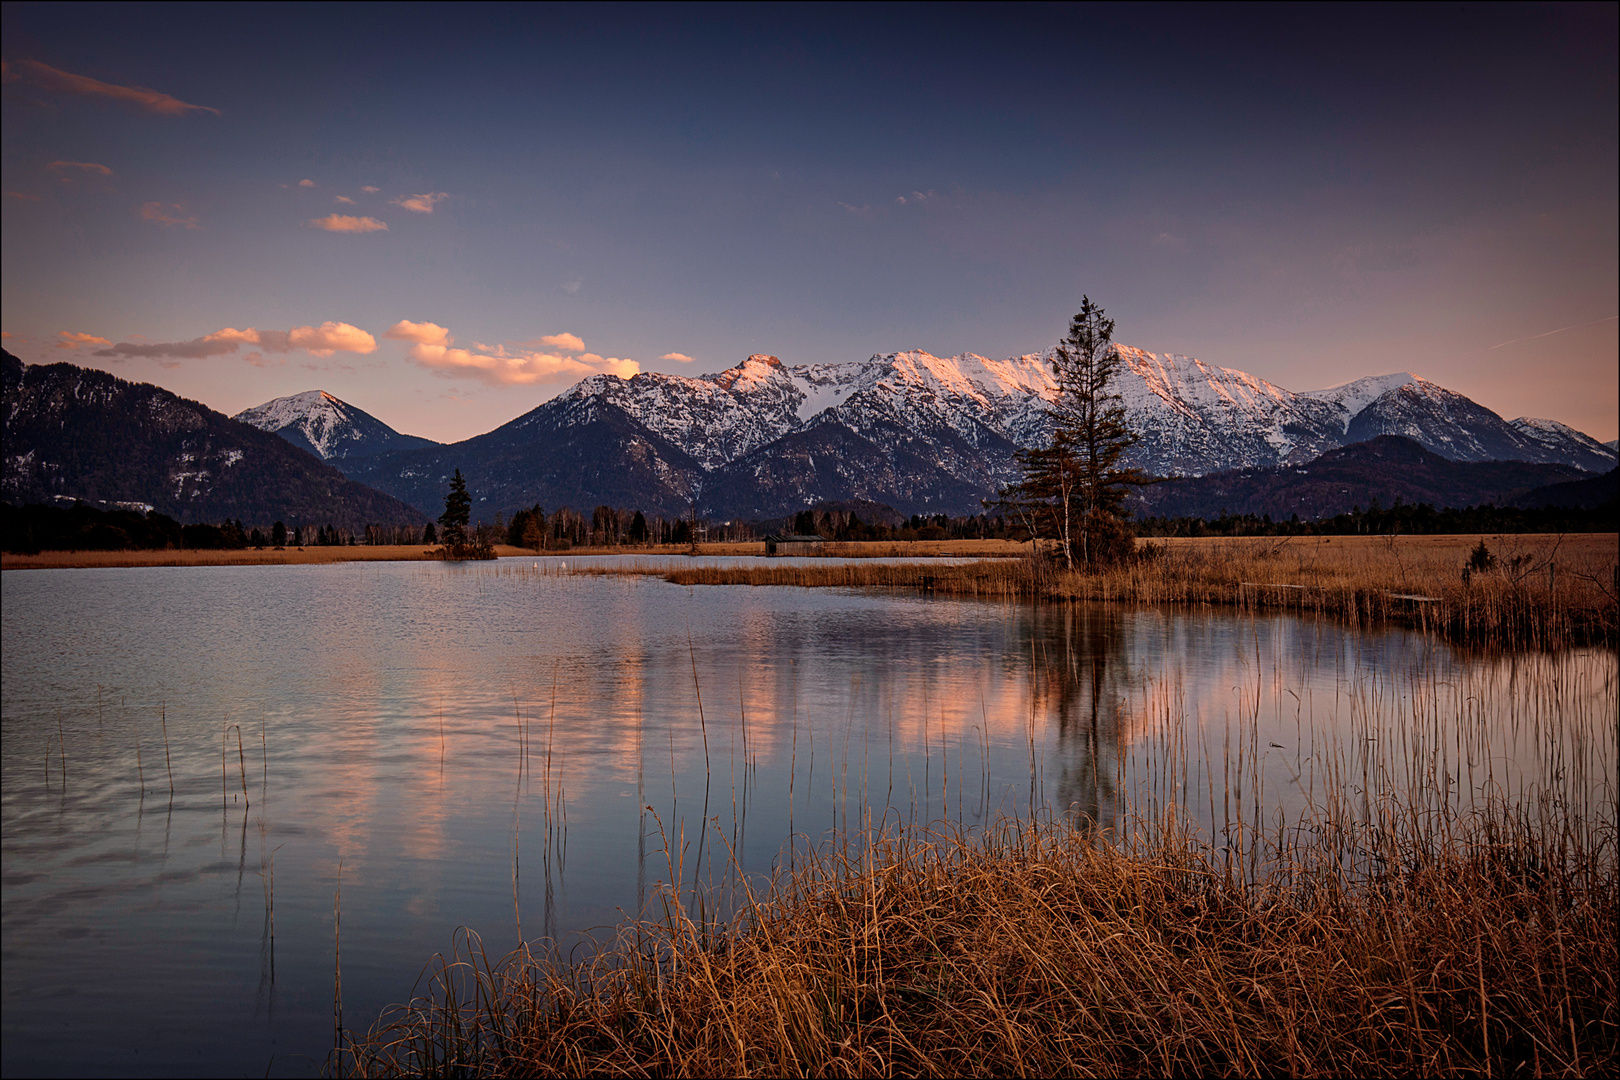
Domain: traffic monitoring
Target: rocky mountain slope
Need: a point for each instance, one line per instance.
(77, 433)
(922, 433)
(328, 427)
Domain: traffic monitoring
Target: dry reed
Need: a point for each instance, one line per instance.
(1040, 949)
(1544, 592)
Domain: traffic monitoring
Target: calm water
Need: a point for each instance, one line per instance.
(478, 745)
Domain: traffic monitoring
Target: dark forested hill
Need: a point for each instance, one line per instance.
(78, 433)
(1382, 470)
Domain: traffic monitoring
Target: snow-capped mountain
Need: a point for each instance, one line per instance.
(924, 433)
(328, 427)
(1561, 439)
(78, 433)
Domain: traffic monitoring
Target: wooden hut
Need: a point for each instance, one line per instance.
(792, 544)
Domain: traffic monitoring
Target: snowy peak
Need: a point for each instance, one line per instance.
(1566, 444)
(1356, 395)
(327, 426)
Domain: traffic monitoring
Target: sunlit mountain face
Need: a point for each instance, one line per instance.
(918, 432)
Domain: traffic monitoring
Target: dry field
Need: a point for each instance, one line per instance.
(243, 557)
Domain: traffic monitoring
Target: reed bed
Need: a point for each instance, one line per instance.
(1041, 948)
(1542, 592)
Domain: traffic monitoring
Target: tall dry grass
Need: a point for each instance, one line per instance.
(1039, 949)
(1543, 592)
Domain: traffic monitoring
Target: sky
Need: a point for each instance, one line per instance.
(448, 214)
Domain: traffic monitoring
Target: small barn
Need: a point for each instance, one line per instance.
(792, 544)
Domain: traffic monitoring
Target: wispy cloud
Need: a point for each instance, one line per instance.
(307, 184)
(420, 204)
(344, 199)
(498, 365)
(69, 339)
(159, 212)
(86, 174)
(346, 224)
(24, 196)
(369, 190)
(864, 211)
(915, 197)
(65, 82)
(70, 168)
(679, 356)
(322, 340)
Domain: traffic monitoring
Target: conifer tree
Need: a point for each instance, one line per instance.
(1073, 490)
(457, 513)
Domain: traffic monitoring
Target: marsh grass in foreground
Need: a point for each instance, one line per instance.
(1541, 592)
(1487, 946)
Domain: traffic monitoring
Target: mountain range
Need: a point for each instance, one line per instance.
(78, 434)
(921, 433)
(908, 430)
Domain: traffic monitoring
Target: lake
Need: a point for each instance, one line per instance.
(197, 760)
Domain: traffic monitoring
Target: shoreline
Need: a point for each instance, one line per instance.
(312, 555)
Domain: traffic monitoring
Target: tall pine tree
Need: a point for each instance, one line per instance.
(1073, 490)
(457, 514)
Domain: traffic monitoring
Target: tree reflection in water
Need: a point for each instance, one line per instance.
(1077, 656)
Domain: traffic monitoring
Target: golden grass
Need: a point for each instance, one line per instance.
(1545, 590)
(1039, 950)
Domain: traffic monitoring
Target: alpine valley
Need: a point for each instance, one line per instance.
(920, 433)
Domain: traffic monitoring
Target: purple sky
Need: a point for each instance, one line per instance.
(446, 215)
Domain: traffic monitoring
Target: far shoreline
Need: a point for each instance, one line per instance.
(312, 555)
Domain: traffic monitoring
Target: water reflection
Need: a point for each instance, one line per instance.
(531, 755)
(1079, 685)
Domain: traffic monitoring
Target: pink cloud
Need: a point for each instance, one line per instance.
(679, 356)
(420, 204)
(345, 224)
(159, 212)
(306, 183)
(23, 196)
(499, 366)
(64, 82)
(331, 337)
(369, 190)
(68, 339)
(567, 342)
(322, 340)
(344, 199)
(422, 333)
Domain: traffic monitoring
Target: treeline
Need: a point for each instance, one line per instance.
(847, 525)
(46, 527)
(607, 526)
(1402, 518)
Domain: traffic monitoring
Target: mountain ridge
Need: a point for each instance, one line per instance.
(73, 433)
(930, 434)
